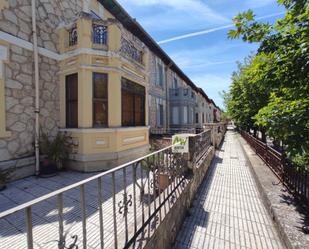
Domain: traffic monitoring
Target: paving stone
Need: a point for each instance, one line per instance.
(236, 217)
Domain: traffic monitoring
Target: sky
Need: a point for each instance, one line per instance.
(194, 35)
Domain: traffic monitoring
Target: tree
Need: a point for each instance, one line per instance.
(283, 57)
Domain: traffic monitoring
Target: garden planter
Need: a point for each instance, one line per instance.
(48, 168)
(163, 181)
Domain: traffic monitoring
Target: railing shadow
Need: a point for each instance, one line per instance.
(290, 200)
(45, 214)
(197, 215)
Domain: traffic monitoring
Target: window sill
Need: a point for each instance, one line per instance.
(103, 130)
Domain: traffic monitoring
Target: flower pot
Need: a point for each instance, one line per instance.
(48, 168)
(163, 181)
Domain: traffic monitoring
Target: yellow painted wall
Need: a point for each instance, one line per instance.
(108, 140)
(114, 138)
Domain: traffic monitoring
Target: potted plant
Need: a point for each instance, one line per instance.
(55, 150)
(4, 178)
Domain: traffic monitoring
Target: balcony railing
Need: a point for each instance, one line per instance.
(129, 50)
(73, 37)
(116, 209)
(99, 34)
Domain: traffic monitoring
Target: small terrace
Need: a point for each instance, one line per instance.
(182, 93)
(119, 208)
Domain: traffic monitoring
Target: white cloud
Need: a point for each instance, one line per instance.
(176, 14)
(258, 3)
(207, 31)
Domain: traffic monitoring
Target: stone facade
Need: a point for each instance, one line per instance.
(17, 150)
(15, 19)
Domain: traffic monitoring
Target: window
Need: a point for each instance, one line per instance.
(100, 100)
(71, 92)
(175, 83)
(133, 103)
(99, 33)
(160, 115)
(196, 118)
(160, 74)
(185, 92)
(185, 114)
(175, 112)
(203, 118)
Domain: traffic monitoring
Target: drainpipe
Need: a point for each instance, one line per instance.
(37, 92)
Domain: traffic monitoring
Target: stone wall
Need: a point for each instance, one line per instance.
(19, 101)
(16, 151)
(15, 19)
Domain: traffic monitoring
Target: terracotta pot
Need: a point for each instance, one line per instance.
(163, 181)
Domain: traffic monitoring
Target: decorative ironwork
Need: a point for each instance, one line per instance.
(125, 204)
(129, 50)
(73, 37)
(99, 33)
(199, 145)
(173, 199)
(163, 168)
(63, 240)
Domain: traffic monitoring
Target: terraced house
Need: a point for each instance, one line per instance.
(87, 68)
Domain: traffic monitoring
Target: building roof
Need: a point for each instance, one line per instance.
(135, 28)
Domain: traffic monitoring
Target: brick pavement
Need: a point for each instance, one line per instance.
(228, 211)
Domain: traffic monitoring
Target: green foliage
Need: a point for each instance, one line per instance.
(270, 90)
(55, 148)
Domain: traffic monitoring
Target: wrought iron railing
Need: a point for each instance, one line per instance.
(129, 50)
(99, 34)
(295, 179)
(118, 208)
(199, 145)
(73, 36)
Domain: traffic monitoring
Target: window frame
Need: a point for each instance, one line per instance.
(69, 101)
(135, 90)
(101, 100)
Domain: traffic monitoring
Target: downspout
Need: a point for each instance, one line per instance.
(37, 92)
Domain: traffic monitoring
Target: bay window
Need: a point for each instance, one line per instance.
(133, 103)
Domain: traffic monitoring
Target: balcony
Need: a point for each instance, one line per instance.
(130, 51)
(183, 94)
(84, 34)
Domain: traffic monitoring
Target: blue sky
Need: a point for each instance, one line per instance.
(208, 59)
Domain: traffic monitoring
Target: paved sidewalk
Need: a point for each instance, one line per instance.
(228, 211)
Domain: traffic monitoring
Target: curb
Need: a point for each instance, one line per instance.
(266, 201)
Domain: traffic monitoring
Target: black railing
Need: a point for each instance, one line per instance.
(73, 36)
(199, 145)
(99, 34)
(294, 178)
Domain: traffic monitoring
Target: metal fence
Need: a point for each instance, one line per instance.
(296, 179)
(199, 144)
(119, 208)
